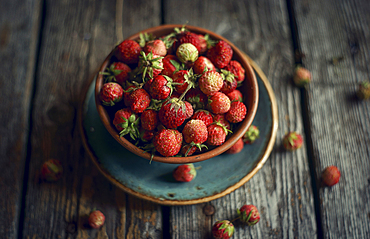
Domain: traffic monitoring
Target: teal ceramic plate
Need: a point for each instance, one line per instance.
(153, 181)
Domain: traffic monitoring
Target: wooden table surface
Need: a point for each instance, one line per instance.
(50, 49)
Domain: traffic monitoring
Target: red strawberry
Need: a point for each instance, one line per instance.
(170, 65)
(221, 119)
(146, 135)
(189, 37)
(172, 113)
(149, 119)
(161, 87)
(184, 173)
(292, 141)
(195, 133)
(126, 94)
(189, 110)
(187, 53)
(111, 93)
(237, 112)
(363, 91)
(229, 83)
(150, 65)
(203, 115)
(167, 142)
(126, 122)
(237, 69)
(236, 148)
(202, 64)
(196, 98)
(302, 76)
(216, 134)
(188, 150)
(181, 79)
(147, 85)
(51, 170)
(128, 52)
(139, 100)
(223, 229)
(118, 72)
(249, 214)
(235, 95)
(331, 175)
(220, 54)
(96, 219)
(157, 47)
(210, 82)
(251, 135)
(219, 103)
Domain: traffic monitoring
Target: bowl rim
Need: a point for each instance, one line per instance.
(242, 128)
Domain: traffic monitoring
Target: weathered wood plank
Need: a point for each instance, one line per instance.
(19, 31)
(76, 37)
(339, 122)
(282, 188)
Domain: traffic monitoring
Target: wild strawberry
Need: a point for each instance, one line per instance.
(139, 100)
(203, 115)
(236, 148)
(181, 80)
(170, 65)
(184, 173)
(150, 65)
(201, 64)
(223, 229)
(363, 91)
(331, 175)
(146, 135)
(189, 110)
(216, 134)
(237, 112)
(219, 103)
(235, 95)
(128, 52)
(292, 141)
(149, 119)
(222, 120)
(126, 122)
(195, 133)
(96, 219)
(251, 135)
(172, 113)
(147, 85)
(237, 69)
(188, 37)
(167, 142)
(210, 82)
(160, 87)
(157, 47)
(188, 150)
(196, 98)
(205, 43)
(126, 94)
(229, 83)
(187, 53)
(302, 76)
(51, 170)
(111, 93)
(220, 54)
(117, 72)
(249, 214)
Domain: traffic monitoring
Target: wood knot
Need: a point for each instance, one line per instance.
(209, 210)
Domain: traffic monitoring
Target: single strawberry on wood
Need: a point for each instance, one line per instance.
(292, 141)
(249, 214)
(51, 170)
(222, 229)
(331, 175)
(96, 219)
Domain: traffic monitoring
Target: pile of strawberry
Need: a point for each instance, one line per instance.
(177, 94)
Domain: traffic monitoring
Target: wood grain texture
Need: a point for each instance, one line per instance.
(19, 32)
(282, 188)
(339, 122)
(76, 37)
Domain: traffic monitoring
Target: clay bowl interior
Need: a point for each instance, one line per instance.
(249, 89)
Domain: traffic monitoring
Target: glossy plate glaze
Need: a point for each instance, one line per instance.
(153, 181)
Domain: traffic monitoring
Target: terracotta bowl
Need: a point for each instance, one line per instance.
(249, 89)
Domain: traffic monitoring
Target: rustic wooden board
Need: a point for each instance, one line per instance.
(282, 188)
(76, 37)
(339, 123)
(19, 32)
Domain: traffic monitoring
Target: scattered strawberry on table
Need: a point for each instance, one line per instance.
(51, 170)
(184, 173)
(96, 219)
(169, 91)
(251, 135)
(302, 76)
(363, 91)
(331, 175)
(292, 141)
(249, 214)
(223, 229)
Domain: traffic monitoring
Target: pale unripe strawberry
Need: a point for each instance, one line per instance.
(223, 229)
(187, 53)
(302, 76)
(157, 47)
(96, 219)
(210, 82)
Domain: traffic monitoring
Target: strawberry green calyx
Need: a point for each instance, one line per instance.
(144, 38)
(363, 91)
(187, 53)
(223, 229)
(130, 126)
(111, 73)
(249, 214)
(251, 135)
(302, 76)
(292, 141)
(223, 127)
(149, 65)
(227, 75)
